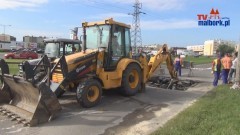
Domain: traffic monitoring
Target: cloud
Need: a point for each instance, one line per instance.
(168, 24)
(110, 15)
(19, 33)
(163, 4)
(13, 4)
(155, 4)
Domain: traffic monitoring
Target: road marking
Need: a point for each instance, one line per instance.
(82, 113)
(16, 131)
(201, 68)
(8, 128)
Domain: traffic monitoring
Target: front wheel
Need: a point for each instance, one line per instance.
(89, 93)
(131, 80)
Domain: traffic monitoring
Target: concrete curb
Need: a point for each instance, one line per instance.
(165, 114)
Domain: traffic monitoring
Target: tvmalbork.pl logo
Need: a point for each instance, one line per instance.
(213, 19)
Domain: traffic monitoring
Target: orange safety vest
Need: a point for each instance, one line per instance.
(226, 62)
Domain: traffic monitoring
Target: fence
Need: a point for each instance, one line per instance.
(13, 67)
(188, 65)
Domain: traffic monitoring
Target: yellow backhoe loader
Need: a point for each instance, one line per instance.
(105, 62)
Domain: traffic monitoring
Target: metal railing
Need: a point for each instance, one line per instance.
(188, 65)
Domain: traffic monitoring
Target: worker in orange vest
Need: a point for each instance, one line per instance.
(227, 63)
(216, 69)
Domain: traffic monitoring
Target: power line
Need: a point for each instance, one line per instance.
(111, 5)
(101, 7)
(96, 6)
(4, 27)
(126, 9)
(136, 27)
(4, 34)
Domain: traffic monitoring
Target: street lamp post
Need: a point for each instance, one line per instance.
(4, 27)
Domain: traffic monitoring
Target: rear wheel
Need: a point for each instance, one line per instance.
(131, 80)
(89, 93)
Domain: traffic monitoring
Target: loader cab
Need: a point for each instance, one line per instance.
(119, 46)
(114, 38)
(55, 48)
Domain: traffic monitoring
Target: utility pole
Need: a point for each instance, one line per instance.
(4, 27)
(136, 29)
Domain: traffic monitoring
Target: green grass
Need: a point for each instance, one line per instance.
(199, 60)
(14, 67)
(217, 113)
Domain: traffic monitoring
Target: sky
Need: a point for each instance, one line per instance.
(173, 22)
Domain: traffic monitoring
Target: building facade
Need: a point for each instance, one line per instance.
(33, 42)
(196, 48)
(177, 50)
(7, 38)
(211, 46)
(11, 45)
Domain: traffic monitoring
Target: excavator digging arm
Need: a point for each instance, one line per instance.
(155, 61)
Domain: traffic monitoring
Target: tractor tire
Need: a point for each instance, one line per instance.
(89, 93)
(131, 80)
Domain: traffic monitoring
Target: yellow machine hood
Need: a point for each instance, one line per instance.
(74, 59)
(70, 59)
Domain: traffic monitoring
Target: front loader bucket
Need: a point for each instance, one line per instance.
(26, 103)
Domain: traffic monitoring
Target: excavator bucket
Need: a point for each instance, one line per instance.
(24, 102)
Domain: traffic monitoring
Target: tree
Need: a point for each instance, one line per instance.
(223, 49)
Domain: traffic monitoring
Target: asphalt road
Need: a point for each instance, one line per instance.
(118, 115)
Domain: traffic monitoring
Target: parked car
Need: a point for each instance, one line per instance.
(40, 51)
(13, 50)
(197, 55)
(21, 54)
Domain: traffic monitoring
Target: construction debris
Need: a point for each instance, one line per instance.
(168, 83)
